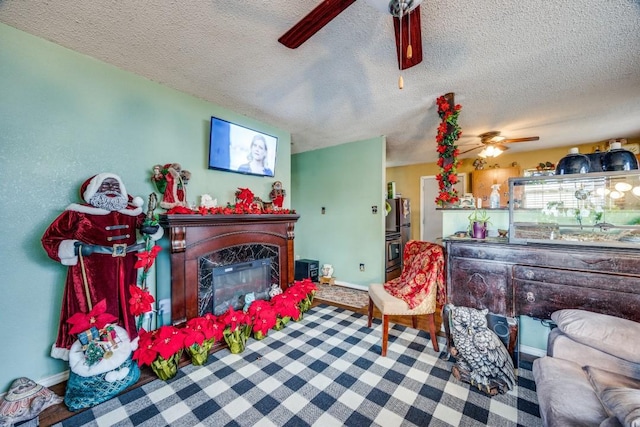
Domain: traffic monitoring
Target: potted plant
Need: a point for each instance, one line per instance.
(161, 349)
(478, 221)
(200, 335)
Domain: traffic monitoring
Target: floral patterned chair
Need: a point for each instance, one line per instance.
(417, 292)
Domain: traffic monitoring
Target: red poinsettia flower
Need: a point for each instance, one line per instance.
(257, 306)
(285, 306)
(234, 319)
(265, 320)
(195, 331)
(215, 328)
(177, 210)
(306, 286)
(140, 301)
(295, 294)
(96, 317)
(146, 258)
(168, 340)
(145, 353)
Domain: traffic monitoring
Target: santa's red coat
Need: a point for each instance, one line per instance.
(108, 277)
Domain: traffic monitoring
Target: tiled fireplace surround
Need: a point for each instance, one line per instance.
(223, 240)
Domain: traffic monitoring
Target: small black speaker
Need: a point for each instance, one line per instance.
(500, 325)
(306, 268)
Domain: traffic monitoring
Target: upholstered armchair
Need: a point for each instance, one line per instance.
(417, 292)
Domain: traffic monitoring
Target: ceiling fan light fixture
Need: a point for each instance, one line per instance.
(490, 151)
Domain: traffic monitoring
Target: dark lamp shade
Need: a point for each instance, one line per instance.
(573, 163)
(619, 160)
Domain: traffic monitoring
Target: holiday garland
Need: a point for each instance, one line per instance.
(448, 134)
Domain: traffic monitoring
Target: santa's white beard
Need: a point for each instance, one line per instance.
(109, 200)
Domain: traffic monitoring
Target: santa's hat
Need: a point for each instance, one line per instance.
(90, 187)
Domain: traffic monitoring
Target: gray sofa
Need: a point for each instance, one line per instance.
(591, 374)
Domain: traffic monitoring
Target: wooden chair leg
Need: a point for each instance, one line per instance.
(370, 312)
(414, 321)
(432, 331)
(385, 333)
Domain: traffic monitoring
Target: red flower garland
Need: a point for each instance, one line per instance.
(448, 134)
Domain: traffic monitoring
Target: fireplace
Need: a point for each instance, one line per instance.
(224, 286)
(202, 243)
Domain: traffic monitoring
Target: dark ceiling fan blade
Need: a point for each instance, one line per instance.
(470, 150)
(531, 138)
(313, 22)
(410, 25)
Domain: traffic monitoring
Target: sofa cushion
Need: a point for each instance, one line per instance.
(624, 403)
(612, 335)
(619, 394)
(565, 396)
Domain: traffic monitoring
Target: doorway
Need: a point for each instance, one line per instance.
(430, 217)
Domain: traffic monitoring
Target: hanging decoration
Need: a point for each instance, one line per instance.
(448, 133)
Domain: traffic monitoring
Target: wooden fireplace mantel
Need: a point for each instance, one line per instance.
(194, 236)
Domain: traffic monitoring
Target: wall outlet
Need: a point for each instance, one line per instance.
(361, 267)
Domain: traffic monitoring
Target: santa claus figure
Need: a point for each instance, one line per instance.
(97, 240)
(277, 195)
(171, 182)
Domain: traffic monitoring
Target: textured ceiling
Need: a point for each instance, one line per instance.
(567, 71)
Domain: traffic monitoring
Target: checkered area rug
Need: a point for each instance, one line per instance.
(325, 370)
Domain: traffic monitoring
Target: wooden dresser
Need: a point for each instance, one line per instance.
(536, 280)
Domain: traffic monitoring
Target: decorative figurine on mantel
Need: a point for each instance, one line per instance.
(171, 182)
(482, 359)
(277, 195)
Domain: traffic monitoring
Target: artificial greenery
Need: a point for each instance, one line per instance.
(448, 133)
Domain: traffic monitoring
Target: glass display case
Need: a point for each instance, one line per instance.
(594, 209)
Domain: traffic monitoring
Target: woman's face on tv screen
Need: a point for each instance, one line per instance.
(258, 149)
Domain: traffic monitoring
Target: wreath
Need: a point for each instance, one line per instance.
(448, 133)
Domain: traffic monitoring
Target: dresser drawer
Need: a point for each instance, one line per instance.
(539, 291)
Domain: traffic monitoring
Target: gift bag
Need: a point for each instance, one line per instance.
(93, 382)
(85, 392)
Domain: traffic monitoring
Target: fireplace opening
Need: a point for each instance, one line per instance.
(231, 283)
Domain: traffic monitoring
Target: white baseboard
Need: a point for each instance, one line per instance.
(533, 351)
(54, 379)
(352, 285)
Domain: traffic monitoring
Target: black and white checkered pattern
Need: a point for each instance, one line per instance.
(325, 370)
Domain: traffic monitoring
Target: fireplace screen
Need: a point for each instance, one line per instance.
(230, 283)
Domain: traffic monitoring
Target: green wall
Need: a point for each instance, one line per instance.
(63, 118)
(347, 180)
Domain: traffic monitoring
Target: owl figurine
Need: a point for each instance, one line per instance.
(481, 358)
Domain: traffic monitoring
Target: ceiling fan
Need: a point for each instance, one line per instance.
(406, 21)
(493, 143)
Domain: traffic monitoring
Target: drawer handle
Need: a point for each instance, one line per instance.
(482, 254)
(529, 274)
(530, 297)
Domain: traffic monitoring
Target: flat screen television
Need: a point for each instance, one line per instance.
(239, 149)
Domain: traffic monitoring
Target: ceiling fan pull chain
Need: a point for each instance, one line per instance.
(409, 48)
(400, 79)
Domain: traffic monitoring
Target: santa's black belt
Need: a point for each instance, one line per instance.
(117, 250)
